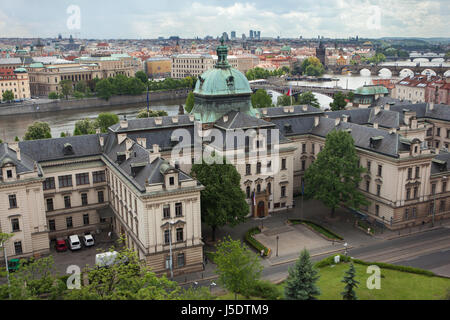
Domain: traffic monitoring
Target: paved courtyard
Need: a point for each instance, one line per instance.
(292, 239)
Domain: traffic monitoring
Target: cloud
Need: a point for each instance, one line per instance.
(285, 18)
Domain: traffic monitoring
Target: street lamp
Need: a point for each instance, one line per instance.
(278, 237)
(345, 245)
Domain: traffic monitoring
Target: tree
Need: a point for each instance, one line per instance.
(350, 284)
(134, 86)
(339, 102)
(81, 87)
(284, 100)
(8, 95)
(237, 266)
(53, 95)
(222, 201)
(261, 99)
(16, 138)
(308, 98)
(190, 101)
(142, 76)
(312, 67)
(335, 175)
(301, 282)
(104, 89)
(106, 120)
(151, 113)
(38, 130)
(132, 280)
(66, 88)
(84, 126)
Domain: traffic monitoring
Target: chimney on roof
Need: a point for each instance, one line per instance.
(175, 119)
(392, 130)
(387, 106)
(337, 121)
(128, 144)
(286, 109)
(98, 131)
(154, 154)
(225, 118)
(15, 146)
(431, 105)
(316, 121)
(158, 121)
(375, 125)
(377, 110)
(191, 117)
(264, 111)
(101, 141)
(124, 123)
(344, 118)
(304, 108)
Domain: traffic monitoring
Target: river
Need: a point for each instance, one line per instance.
(64, 121)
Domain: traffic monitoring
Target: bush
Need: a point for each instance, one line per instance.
(255, 243)
(264, 289)
(330, 261)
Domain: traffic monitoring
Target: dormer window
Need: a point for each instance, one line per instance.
(172, 181)
(68, 149)
(9, 174)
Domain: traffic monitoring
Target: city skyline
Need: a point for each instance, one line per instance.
(288, 19)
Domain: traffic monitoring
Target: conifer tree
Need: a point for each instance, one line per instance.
(301, 282)
(350, 284)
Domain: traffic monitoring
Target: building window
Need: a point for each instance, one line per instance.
(303, 165)
(12, 201)
(179, 209)
(444, 186)
(283, 191)
(166, 211)
(67, 203)
(180, 260)
(269, 187)
(416, 192)
(247, 191)
(18, 247)
(65, 181)
(248, 169)
(98, 176)
(417, 172)
(380, 170)
(313, 148)
(49, 183)
(9, 174)
(49, 204)
(86, 219)
(414, 212)
(51, 225)
(442, 206)
(406, 216)
(69, 223)
(101, 197)
(367, 185)
(438, 132)
(172, 181)
(409, 173)
(283, 164)
(303, 147)
(433, 188)
(378, 190)
(377, 210)
(82, 178)
(15, 225)
(167, 236)
(258, 168)
(437, 144)
(368, 166)
(408, 193)
(180, 235)
(84, 199)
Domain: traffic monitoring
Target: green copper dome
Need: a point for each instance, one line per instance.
(221, 90)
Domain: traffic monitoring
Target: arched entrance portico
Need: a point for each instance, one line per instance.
(261, 209)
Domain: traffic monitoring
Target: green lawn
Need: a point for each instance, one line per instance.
(395, 285)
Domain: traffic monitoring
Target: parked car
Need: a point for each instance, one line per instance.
(61, 245)
(88, 240)
(74, 243)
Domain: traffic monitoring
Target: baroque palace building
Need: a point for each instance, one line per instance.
(135, 178)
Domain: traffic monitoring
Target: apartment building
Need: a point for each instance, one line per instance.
(16, 81)
(189, 65)
(414, 88)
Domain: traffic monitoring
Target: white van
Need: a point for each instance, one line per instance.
(74, 243)
(106, 259)
(88, 240)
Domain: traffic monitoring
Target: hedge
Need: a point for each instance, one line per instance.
(330, 261)
(327, 233)
(255, 243)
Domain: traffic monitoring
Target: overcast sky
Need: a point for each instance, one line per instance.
(105, 19)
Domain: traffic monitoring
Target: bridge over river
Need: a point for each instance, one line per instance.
(283, 88)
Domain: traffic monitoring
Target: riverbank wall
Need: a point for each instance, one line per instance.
(75, 104)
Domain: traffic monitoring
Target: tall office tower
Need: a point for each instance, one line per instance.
(233, 35)
(251, 34)
(225, 36)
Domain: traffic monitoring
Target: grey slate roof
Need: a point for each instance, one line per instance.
(298, 110)
(438, 168)
(8, 155)
(149, 123)
(361, 135)
(358, 116)
(240, 120)
(385, 118)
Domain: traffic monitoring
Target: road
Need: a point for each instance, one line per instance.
(428, 250)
